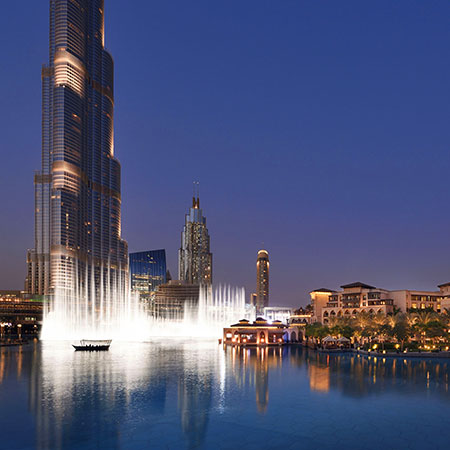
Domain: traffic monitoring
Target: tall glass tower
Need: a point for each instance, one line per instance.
(194, 256)
(78, 250)
(148, 270)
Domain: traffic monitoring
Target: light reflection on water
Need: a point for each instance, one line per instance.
(199, 395)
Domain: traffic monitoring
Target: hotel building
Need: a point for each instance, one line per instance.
(353, 299)
(357, 297)
(409, 299)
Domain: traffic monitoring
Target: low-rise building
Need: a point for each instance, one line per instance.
(262, 333)
(169, 299)
(18, 315)
(357, 297)
(302, 319)
(353, 299)
(319, 300)
(407, 299)
(281, 313)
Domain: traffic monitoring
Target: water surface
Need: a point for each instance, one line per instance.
(186, 395)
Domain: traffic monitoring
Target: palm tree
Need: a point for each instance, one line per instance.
(362, 323)
(398, 327)
(445, 318)
(423, 321)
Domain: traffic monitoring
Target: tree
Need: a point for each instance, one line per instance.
(401, 332)
(316, 330)
(425, 322)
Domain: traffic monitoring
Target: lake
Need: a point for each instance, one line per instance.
(191, 394)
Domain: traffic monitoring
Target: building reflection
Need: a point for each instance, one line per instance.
(357, 376)
(352, 375)
(77, 397)
(74, 396)
(251, 365)
(194, 403)
(319, 378)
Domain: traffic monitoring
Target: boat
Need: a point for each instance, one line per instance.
(92, 345)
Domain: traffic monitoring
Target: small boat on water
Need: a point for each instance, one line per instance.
(88, 345)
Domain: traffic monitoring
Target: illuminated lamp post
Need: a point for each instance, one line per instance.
(19, 331)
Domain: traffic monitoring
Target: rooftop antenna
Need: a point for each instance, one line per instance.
(196, 194)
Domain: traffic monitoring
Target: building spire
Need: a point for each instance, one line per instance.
(196, 195)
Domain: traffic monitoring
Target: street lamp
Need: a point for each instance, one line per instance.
(19, 330)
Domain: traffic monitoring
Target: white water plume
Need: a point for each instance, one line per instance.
(99, 306)
(215, 309)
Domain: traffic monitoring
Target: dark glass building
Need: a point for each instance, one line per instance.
(147, 271)
(78, 246)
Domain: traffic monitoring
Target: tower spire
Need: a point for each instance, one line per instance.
(196, 195)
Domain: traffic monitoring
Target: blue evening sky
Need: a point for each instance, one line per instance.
(319, 130)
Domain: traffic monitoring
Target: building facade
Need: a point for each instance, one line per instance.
(19, 315)
(78, 246)
(262, 281)
(169, 300)
(319, 299)
(352, 300)
(410, 299)
(148, 270)
(358, 297)
(194, 255)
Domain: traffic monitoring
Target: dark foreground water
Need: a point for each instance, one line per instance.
(196, 395)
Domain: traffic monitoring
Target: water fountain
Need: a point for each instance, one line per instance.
(216, 308)
(119, 315)
(100, 309)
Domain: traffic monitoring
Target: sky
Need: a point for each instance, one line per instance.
(319, 130)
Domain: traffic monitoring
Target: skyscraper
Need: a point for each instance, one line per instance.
(78, 246)
(262, 281)
(194, 256)
(148, 270)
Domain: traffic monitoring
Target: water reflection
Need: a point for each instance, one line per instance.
(356, 376)
(250, 366)
(171, 393)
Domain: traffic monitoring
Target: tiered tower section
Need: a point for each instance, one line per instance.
(194, 256)
(78, 246)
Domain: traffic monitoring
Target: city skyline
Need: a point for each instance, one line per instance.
(363, 204)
